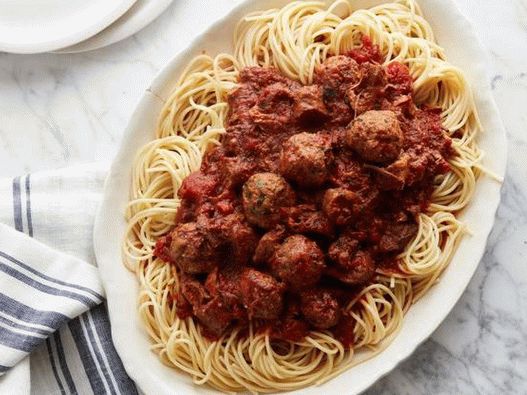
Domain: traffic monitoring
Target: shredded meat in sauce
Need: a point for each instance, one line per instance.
(313, 188)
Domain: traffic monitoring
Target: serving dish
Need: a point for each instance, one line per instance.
(463, 49)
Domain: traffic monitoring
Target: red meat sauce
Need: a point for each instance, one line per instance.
(313, 188)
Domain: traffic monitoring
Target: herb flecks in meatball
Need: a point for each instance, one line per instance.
(304, 158)
(263, 195)
(376, 136)
(299, 262)
(320, 308)
(262, 294)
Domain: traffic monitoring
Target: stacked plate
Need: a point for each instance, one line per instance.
(35, 26)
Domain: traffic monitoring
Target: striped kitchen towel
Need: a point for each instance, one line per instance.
(51, 299)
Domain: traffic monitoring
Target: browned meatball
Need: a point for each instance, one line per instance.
(374, 74)
(338, 204)
(225, 282)
(268, 245)
(303, 159)
(215, 316)
(274, 109)
(263, 195)
(193, 249)
(376, 136)
(342, 251)
(262, 294)
(338, 70)
(353, 266)
(298, 261)
(216, 304)
(239, 236)
(320, 308)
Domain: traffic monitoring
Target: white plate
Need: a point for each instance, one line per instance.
(34, 26)
(456, 35)
(142, 13)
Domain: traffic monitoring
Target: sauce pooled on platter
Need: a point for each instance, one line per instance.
(312, 189)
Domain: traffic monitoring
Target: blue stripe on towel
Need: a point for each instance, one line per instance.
(86, 318)
(28, 207)
(16, 325)
(8, 257)
(54, 365)
(101, 322)
(17, 205)
(63, 365)
(55, 338)
(97, 382)
(45, 288)
(23, 312)
(19, 341)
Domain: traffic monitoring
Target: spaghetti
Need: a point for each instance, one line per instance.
(296, 40)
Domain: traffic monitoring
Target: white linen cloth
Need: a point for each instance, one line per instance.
(51, 298)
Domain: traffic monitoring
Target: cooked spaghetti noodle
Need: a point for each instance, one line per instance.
(295, 39)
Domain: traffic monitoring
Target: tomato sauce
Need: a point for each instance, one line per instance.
(315, 185)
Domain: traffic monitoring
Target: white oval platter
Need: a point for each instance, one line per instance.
(463, 49)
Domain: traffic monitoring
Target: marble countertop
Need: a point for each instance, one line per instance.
(59, 110)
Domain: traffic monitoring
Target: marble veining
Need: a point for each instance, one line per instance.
(59, 110)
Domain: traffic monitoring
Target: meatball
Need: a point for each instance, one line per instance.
(376, 136)
(263, 195)
(338, 204)
(239, 236)
(274, 109)
(225, 282)
(320, 308)
(216, 304)
(353, 266)
(304, 159)
(373, 74)
(193, 249)
(215, 316)
(338, 70)
(262, 294)
(298, 261)
(268, 245)
(342, 251)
